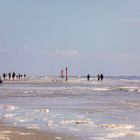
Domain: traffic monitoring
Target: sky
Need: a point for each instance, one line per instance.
(41, 37)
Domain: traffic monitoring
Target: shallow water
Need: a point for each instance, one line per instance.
(88, 110)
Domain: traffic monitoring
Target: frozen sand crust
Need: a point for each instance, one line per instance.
(13, 133)
(120, 130)
(117, 126)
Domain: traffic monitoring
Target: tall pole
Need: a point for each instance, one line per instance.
(66, 74)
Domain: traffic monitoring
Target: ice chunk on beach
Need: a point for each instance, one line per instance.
(78, 122)
(9, 116)
(9, 107)
(84, 122)
(45, 110)
(116, 135)
(134, 133)
(66, 122)
(50, 123)
(4, 138)
(118, 126)
(58, 138)
(34, 126)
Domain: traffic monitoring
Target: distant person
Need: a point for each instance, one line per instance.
(1, 82)
(13, 75)
(88, 77)
(9, 75)
(101, 77)
(18, 76)
(62, 73)
(98, 77)
(24, 75)
(4, 76)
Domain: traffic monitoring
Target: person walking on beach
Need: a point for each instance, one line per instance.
(1, 82)
(88, 77)
(101, 77)
(62, 73)
(4, 76)
(24, 75)
(13, 75)
(98, 77)
(9, 75)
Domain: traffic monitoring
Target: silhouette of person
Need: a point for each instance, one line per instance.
(88, 77)
(13, 75)
(62, 73)
(9, 75)
(1, 82)
(24, 75)
(4, 76)
(19, 76)
(98, 77)
(101, 77)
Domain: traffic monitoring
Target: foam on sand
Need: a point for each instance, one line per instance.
(78, 122)
(4, 135)
(44, 110)
(116, 135)
(51, 123)
(8, 107)
(4, 138)
(58, 138)
(9, 116)
(24, 134)
(118, 126)
(33, 127)
(134, 133)
(119, 130)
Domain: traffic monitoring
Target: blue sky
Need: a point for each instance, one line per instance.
(40, 37)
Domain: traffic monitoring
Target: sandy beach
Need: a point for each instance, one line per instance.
(35, 81)
(15, 133)
(49, 108)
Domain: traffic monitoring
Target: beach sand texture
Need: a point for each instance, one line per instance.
(53, 109)
(14, 133)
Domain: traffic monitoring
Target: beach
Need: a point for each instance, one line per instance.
(34, 81)
(51, 108)
(16, 133)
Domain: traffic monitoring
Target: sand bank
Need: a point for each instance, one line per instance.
(33, 81)
(14, 133)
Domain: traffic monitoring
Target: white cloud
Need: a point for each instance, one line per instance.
(72, 52)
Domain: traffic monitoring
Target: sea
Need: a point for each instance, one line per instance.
(88, 110)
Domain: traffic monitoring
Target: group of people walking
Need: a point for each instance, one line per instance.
(12, 76)
(99, 77)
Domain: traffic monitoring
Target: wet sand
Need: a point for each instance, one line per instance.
(15, 133)
(33, 81)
